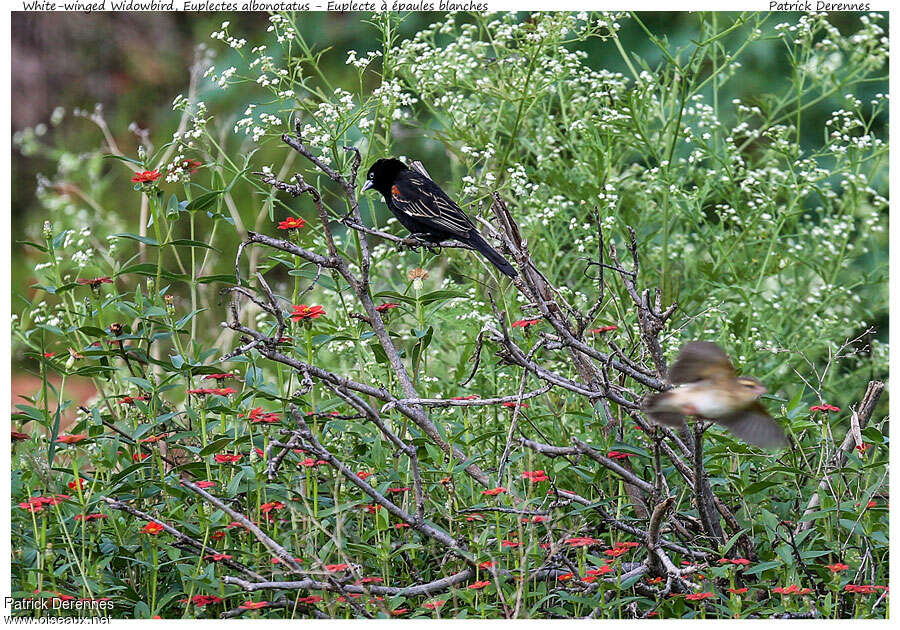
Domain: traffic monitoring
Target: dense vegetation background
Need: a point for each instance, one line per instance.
(747, 151)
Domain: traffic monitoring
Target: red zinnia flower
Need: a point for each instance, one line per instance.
(565, 576)
(626, 545)
(401, 525)
(435, 605)
(218, 557)
(655, 580)
(370, 580)
(837, 567)
(581, 541)
(257, 416)
(90, 517)
(864, 589)
(862, 448)
(738, 591)
(737, 561)
(217, 377)
(525, 323)
(94, 282)
(600, 571)
(510, 544)
(71, 439)
(152, 528)
(225, 458)
(824, 407)
(372, 508)
(253, 605)
(512, 403)
(129, 400)
(191, 165)
(487, 564)
(311, 599)
(793, 589)
(381, 308)
(603, 329)
(616, 552)
(494, 491)
(535, 519)
(399, 611)
(265, 508)
(469, 397)
(535, 476)
(698, 596)
(291, 223)
(362, 474)
(78, 483)
(146, 177)
(336, 567)
(479, 585)
(398, 490)
(619, 455)
(139, 457)
(303, 312)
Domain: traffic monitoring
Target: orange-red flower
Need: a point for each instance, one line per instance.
(191, 165)
(603, 329)
(494, 491)
(140, 456)
(487, 564)
(152, 528)
(265, 508)
(218, 557)
(146, 177)
(837, 567)
(217, 377)
(698, 596)
(793, 589)
(824, 407)
(202, 600)
(864, 589)
(225, 458)
(525, 323)
(336, 567)
(581, 541)
(90, 517)
(381, 308)
(619, 455)
(129, 400)
(535, 476)
(435, 605)
(303, 312)
(738, 591)
(258, 416)
(469, 397)
(77, 483)
(615, 552)
(398, 490)
(291, 223)
(512, 403)
(254, 605)
(310, 599)
(737, 561)
(510, 544)
(363, 474)
(94, 282)
(480, 584)
(71, 439)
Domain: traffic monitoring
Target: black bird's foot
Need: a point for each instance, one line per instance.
(424, 240)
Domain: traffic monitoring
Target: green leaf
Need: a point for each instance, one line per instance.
(762, 566)
(732, 541)
(122, 158)
(215, 447)
(146, 240)
(204, 201)
(186, 242)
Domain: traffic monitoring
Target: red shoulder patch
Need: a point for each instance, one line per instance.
(395, 191)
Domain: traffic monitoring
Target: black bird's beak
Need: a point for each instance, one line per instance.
(369, 183)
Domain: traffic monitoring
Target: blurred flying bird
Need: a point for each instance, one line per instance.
(707, 387)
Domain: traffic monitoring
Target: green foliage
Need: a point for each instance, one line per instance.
(761, 213)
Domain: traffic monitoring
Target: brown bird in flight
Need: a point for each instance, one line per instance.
(707, 387)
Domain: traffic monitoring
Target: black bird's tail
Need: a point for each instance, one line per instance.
(477, 241)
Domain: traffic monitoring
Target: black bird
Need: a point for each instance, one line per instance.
(426, 210)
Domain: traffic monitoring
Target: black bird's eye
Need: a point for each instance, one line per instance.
(371, 175)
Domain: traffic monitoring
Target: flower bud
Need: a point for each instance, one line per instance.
(48, 230)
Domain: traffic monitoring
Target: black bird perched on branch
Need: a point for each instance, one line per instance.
(426, 210)
(707, 387)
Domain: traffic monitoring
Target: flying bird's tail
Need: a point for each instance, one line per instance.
(654, 406)
(493, 256)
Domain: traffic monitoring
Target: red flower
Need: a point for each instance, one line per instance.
(278, 560)
(487, 564)
(307, 312)
(78, 483)
(370, 580)
(372, 508)
(737, 561)
(534, 519)
(494, 491)
(581, 541)
(626, 545)
(837, 567)
(291, 223)
(94, 282)
(862, 448)
(655, 580)
(600, 571)
(864, 589)
(475, 586)
(218, 557)
(401, 525)
(603, 329)
(793, 589)
(18, 435)
(205, 484)
(311, 599)
(738, 591)
(191, 165)
(220, 391)
(217, 535)
(225, 458)
(265, 508)
(535, 476)
(619, 455)
(139, 457)
(824, 407)
(309, 462)
(71, 439)
(474, 516)
(362, 474)
(381, 308)
(525, 323)
(565, 576)
(129, 400)
(49, 355)
(398, 490)
(146, 177)
(698, 596)
(336, 567)
(253, 605)
(399, 611)
(435, 605)
(469, 397)
(257, 416)
(512, 403)
(217, 377)
(202, 600)
(234, 524)
(616, 551)
(152, 528)
(90, 517)
(510, 544)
